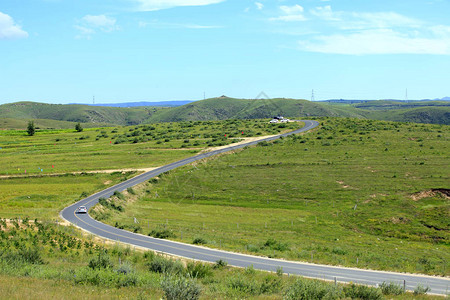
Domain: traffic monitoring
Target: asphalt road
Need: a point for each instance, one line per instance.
(438, 285)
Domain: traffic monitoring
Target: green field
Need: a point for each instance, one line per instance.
(41, 260)
(257, 200)
(60, 151)
(354, 193)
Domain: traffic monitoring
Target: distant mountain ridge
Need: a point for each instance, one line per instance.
(142, 103)
(16, 115)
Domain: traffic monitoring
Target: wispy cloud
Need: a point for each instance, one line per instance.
(9, 29)
(91, 24)
(152, 5)
(379, 41)
(167, 25)
(259, 5)
(290, 14)
(363, 33)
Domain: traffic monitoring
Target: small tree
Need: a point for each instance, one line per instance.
(78, 127)
(30, 128)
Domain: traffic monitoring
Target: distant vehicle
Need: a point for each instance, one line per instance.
(82, 210)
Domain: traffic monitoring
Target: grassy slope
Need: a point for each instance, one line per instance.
(75, 113)
(16, 115)
(302, 192)
(46, 261)
(229, 108)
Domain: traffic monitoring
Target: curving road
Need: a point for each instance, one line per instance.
(438, 285)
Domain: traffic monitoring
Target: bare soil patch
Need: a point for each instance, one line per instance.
(431, 193)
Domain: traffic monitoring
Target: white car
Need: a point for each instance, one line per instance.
(82, 210)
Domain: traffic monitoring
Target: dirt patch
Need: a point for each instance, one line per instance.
(243, 141)
(399, 220)
(343, 185)
(431, 193)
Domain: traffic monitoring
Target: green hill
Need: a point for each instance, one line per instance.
(16, 115)
(229, 108)
(75, 113)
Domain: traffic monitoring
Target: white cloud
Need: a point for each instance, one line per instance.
(291, 10)
(364, 20)
(10, 30)
(259, 5)
(89, 25)
(378, 20)
(157, 24)
(100, 21)
(151, 5)
(326, 13)
(290, 13)
(379, 41)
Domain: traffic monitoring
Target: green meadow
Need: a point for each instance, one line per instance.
(60, 151)
(42, 260)
(359, 193)
(348, 193)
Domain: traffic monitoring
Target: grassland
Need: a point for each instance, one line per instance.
(204, 203)
(355, 193)
(61, 151)
(51, 116)
(41, 260)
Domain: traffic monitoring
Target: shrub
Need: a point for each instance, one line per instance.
(162, 234)
(391, 288)
(131, 191)
(160, 264)
(339, 250)
(104, 277)
(118, 195)
(421, 290)
(313, 289)
(26, 255)
(243, 285)
(180, 288)
(125, 268)
(362, 292)
(102, 261)
(263, 144)
(198, 270)
(220, 264)
(199, 241)
(275, 245)
(271, 284)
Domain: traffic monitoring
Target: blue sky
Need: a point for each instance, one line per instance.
(61, 51)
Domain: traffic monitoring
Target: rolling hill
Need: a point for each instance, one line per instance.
(75, 113)
(230, 108)
(16, 115)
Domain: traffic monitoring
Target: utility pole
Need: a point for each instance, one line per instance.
(93, 99)
(312, 96)
(406, 96)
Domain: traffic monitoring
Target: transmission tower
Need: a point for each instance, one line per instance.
(312, 96)
(406, 96)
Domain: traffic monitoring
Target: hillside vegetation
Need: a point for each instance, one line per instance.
(16, 115)
(75, 113)
(361, 193)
